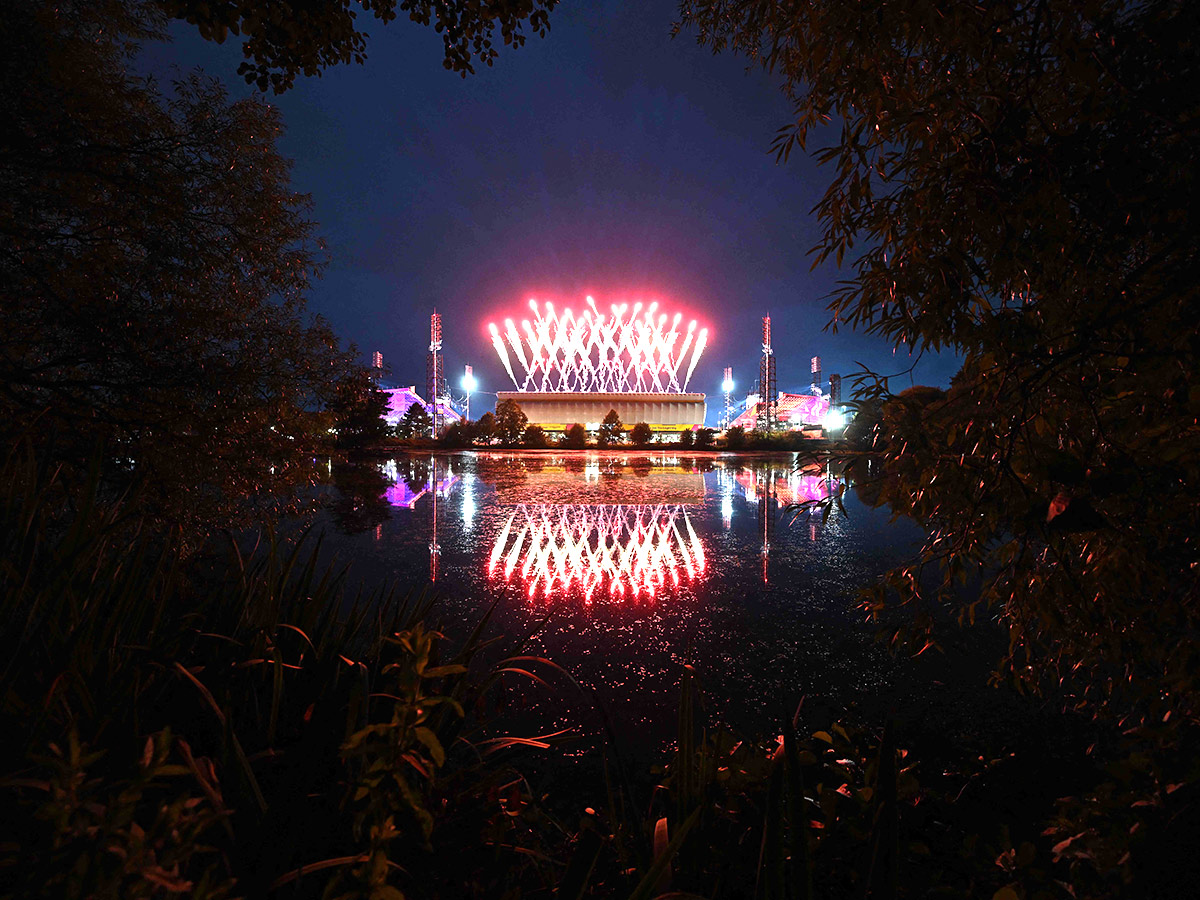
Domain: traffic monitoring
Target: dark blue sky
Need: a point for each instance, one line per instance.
(606, 158)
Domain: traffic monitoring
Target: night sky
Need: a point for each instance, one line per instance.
(607, 158)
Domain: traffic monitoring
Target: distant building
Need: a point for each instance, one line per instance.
(792, 411)
(400, 399)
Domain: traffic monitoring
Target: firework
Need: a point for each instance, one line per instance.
(624, 550)
(627, 350)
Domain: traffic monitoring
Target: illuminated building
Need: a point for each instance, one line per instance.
(401, 398)
(792, 411)
(571, 369)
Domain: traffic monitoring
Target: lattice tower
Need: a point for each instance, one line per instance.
(435, 372)
(768, 420)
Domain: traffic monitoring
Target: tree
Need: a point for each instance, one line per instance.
(686, 438)
(415, 423)
(705, 437)
(510, 422)
(458, 434)
(735, 438)
(153, 269)
(357, 410)
(611, 431)
(575, 438)
(1067, 129)
(534, 438)
(285, 39)
(641, 434)
(861, 430)
(485, 429)
(1068, 132)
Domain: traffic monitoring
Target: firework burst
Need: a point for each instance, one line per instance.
(627, 350)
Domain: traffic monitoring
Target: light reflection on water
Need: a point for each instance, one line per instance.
(569, 548)
(647, 561)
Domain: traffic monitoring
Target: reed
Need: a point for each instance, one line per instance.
(238, 720)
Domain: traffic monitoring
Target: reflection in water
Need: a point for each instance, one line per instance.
(627, 538)
(623, 549)
(468, 506)
(418, 479)
(667, 548)
(421, 478)
(785, 487)
(766, 515)
(359, 505)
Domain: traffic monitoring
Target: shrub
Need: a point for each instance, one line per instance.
(575, 437)
(535, 438)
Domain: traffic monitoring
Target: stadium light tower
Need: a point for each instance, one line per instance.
(727, 387)
(766, 380)
(435, 372)
(469, 384)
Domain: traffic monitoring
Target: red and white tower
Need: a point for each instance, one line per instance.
(768, 419)
(435, 373)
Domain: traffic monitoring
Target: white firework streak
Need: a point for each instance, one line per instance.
(700, 343)
(510, 331)
(627, 350)
(498, 343)
(678, 360)
(632, 550)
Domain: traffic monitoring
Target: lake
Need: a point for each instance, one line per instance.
(637, 563)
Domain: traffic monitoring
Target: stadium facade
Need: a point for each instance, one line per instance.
(664, 413)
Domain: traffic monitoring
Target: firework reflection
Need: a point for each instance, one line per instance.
(624, 550)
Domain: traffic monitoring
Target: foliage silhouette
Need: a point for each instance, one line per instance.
(485, 429)
(1067, 133)
(154, 273)
(534, 438)
(283, 40)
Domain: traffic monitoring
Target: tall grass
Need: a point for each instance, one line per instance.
(232, 722)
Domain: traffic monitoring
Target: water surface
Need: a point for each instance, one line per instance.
(640, 563)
